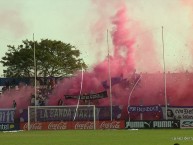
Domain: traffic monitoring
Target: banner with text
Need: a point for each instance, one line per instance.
(152, 124)
(186, 123)
(9, 126)
(142, 109)
(7, 115)
(67, 114)
(88, 97)
(178, 112)
(73, 125)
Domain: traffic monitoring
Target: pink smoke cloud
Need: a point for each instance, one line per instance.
(123, 62)
(120, 64)
(21, 96)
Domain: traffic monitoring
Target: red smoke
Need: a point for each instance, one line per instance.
(12, 22)
(21, 96)
(150, 89)
(121, 64)
(188, 2)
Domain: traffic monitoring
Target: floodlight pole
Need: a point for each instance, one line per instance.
(81, 84)
(109, 70)
(35, 73)
(165, 91)
(110, 89)
(35, 77)
(129, 99)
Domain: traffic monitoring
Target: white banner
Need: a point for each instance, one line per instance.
(186, 123)
(178, 113)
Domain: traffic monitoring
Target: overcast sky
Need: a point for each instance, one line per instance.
(71, 21)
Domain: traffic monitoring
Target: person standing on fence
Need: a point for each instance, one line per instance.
(60, 102)
(14, 105)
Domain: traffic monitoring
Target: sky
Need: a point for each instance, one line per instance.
(84, 24)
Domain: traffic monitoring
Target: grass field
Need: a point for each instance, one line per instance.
(98, 137)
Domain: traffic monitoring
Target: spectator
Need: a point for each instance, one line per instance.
(37, 101)
(41, 102)
(176, 144)
(7, 85)
(33, 100)
(60, 102)
(14, 105)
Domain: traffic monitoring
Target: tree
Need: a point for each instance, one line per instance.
(53, 58)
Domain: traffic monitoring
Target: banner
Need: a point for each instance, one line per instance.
(142, 109)
(7, 115)
(45, 125)
(89, 96)
(86, 125)
(73, 125)
(114, 81)
(67, 114)
(111, 124)
(186, 123)
(9, 126)
(152, 124)
(178, 112)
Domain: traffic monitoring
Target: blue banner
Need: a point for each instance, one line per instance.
(142, 109)
(114, 81)
(7, 115)
(67, 114)
(100, 95)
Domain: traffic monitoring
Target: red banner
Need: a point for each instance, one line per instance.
(45, 126)
(111, 125)
(70, 125)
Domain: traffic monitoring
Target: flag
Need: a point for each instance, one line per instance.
(114, 81)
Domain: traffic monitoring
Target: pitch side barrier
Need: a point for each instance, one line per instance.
(88, 125)
(9, 126)
(73, 125)
(154, 124)
(7, 120)
(186, 123)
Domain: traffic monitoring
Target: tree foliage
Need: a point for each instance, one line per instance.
(53, 58)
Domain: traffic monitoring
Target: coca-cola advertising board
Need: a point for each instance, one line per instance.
(73, 125)
(45, 126)
(111, 124)
(89, 125)
(82, 125)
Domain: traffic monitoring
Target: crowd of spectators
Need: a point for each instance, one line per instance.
(150, 84)
(44, 88)
(43, 91)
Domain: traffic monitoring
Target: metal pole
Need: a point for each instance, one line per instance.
(94, 114)
(81, 84)
(165, 91)
(110, 89)
(131, 94)
(28, 122)
(35, 75)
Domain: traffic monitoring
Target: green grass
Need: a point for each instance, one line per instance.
(98, 137)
